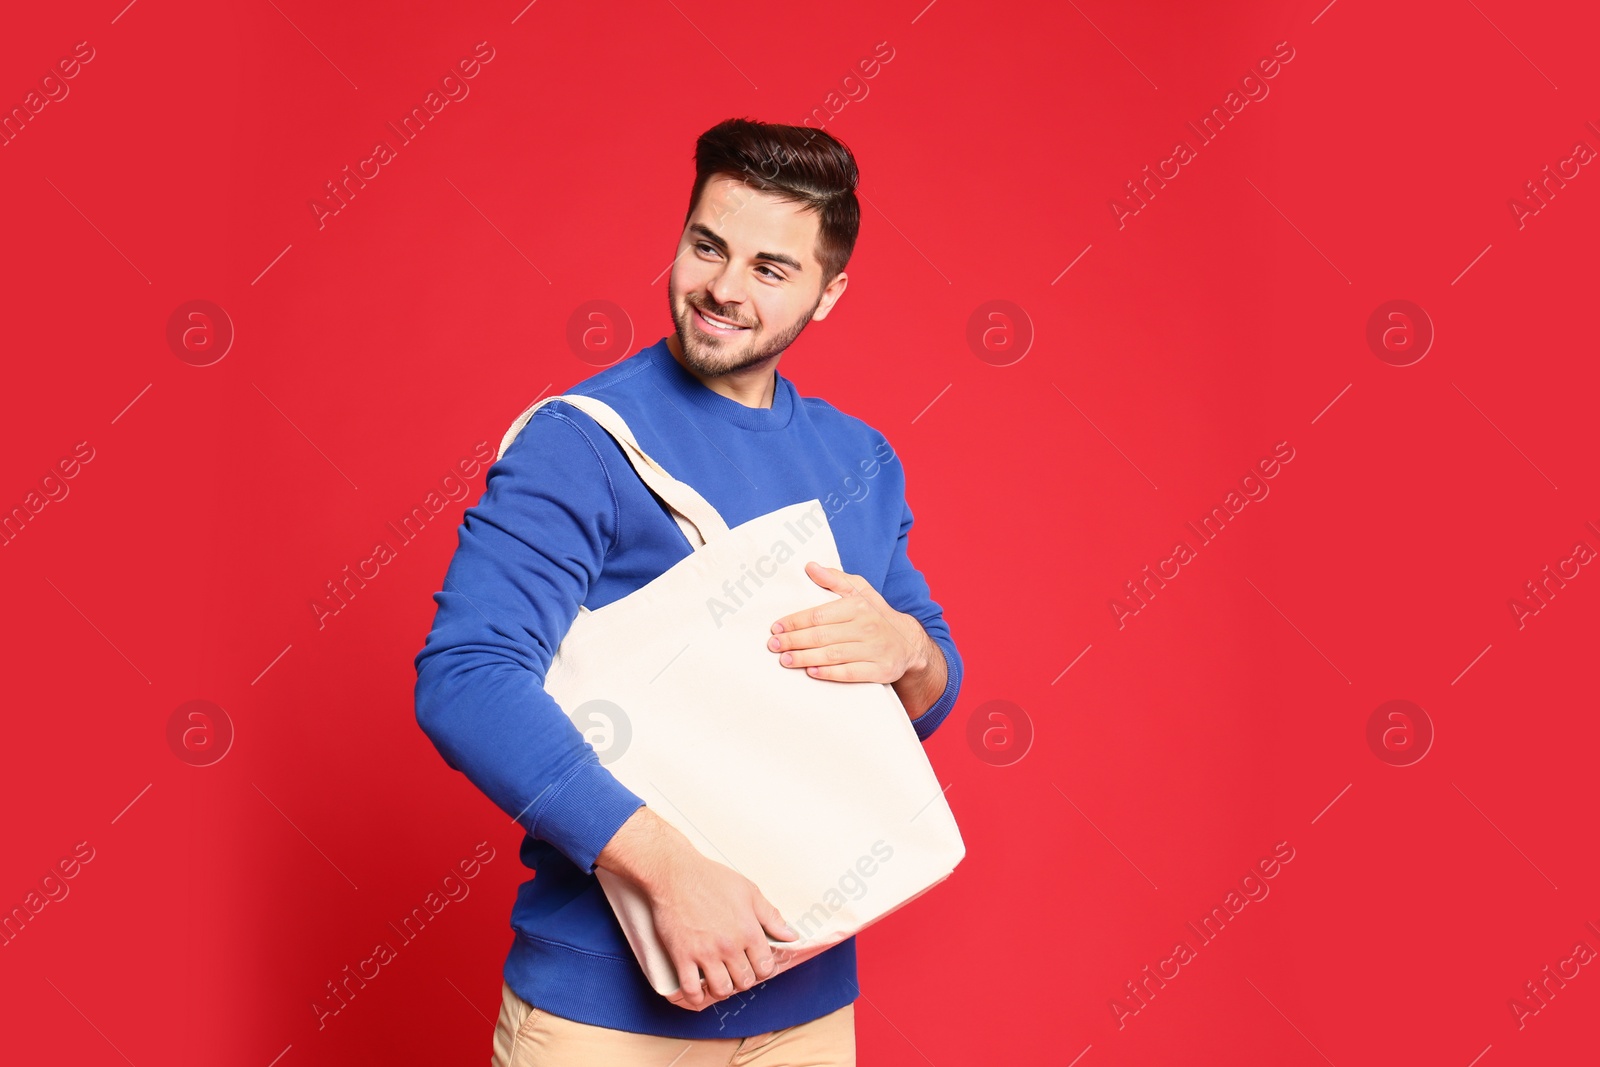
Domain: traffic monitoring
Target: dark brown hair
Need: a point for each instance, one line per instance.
(798, 164)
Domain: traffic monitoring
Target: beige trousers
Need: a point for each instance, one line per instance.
(525, 1036)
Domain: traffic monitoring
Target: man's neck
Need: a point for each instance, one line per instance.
(751, 386)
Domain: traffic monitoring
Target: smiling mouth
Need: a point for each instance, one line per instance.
(717, 327)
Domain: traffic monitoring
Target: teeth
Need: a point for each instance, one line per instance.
(720, 322)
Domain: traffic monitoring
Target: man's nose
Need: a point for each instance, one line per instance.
(727, 287)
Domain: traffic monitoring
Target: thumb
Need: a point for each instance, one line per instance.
(773, 922)
(830, 578)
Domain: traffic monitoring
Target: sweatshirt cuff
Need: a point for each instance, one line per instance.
(926, 723)
(583, 813)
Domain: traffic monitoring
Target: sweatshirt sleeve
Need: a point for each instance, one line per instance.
(906, 590)
(526, 556)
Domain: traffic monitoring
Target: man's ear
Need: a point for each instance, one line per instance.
(830, 296)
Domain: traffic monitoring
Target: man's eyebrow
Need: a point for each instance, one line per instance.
(706, 232)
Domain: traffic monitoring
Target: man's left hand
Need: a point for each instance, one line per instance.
(857, 638)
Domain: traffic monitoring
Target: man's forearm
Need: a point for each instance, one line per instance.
(638, 850)
(923, 684)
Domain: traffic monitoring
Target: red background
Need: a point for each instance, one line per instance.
(1225, 316)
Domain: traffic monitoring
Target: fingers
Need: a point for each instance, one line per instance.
(719, 984)
(691, 991)
(759, 962)
(772, 922)
(723, 977)
(826, 576)
(851, 588)
(723, 950)
(757, 967)
(834, 579)
(829, 655)
(834, 611)
(742, 970)
(854, 628)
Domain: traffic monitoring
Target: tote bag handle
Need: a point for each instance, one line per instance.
(694, 515)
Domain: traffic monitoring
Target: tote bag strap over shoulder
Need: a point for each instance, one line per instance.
(694, 515)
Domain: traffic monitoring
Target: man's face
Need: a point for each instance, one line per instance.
(746, 280)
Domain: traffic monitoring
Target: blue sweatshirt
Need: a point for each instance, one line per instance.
(565, 521)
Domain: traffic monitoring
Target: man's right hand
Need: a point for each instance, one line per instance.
(710, 918)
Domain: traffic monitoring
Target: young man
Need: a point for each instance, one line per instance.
(564, 521)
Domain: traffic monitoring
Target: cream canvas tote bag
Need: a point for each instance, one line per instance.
(817, 791)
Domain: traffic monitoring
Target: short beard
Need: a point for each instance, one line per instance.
(709, 360)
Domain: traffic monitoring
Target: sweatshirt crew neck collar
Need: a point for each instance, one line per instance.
(682, 384)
